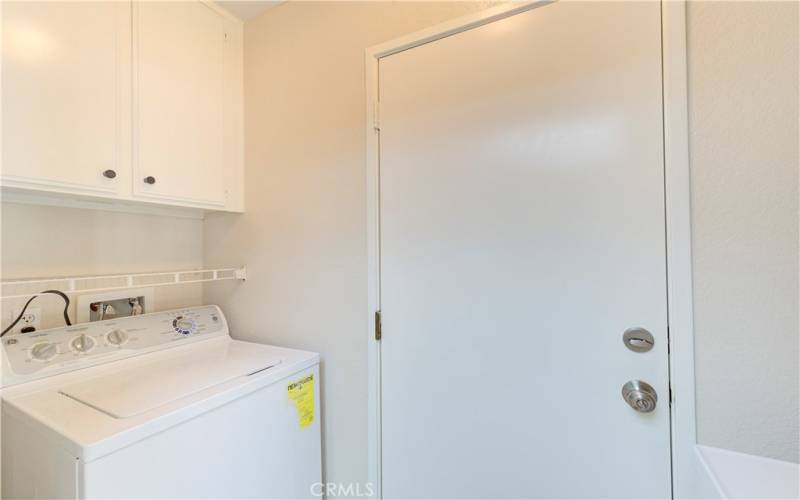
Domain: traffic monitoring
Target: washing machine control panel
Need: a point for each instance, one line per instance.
(47, 352)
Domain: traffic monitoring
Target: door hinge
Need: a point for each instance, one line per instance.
(378, 325)
(376, 116)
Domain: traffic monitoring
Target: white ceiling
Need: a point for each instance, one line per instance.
(247, 9)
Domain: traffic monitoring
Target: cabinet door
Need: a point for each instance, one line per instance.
(66, 95)
(178, 103)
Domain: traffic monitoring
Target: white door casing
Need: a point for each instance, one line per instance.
(565, 235)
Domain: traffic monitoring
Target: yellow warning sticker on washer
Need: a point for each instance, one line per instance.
(301, 393)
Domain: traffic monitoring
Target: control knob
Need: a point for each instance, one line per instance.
(117, 337)
(43, 351)
(183, 325)
(82, 343)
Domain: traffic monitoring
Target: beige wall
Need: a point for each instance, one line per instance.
(303, 236)
(743, 92)
(43, 241)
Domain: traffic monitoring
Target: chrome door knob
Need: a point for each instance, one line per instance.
(640, 396)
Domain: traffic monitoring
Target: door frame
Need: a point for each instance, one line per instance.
(678, 228)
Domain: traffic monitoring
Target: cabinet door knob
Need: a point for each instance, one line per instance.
(109, 174)
(149, 180)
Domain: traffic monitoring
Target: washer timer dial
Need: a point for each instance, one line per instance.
(184, 326)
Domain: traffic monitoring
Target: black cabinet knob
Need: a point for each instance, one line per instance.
(109, 174)
(149, 180)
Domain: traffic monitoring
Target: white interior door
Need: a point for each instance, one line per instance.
(521, 233)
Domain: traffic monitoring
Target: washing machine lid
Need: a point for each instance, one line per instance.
(83, 411)
(139, 389)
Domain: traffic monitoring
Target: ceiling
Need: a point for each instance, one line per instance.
(247, 9)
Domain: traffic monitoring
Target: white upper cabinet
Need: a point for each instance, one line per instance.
(138, 102)
(66, 89)
(178, 102)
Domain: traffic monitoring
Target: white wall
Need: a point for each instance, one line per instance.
(743, 91)
(303, 235)
(43, 241)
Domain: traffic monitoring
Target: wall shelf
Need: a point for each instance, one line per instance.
(14, 289)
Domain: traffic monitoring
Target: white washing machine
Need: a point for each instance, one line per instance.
(162, 405)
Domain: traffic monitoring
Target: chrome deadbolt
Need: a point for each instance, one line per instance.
(638, 339)
(640, 396)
